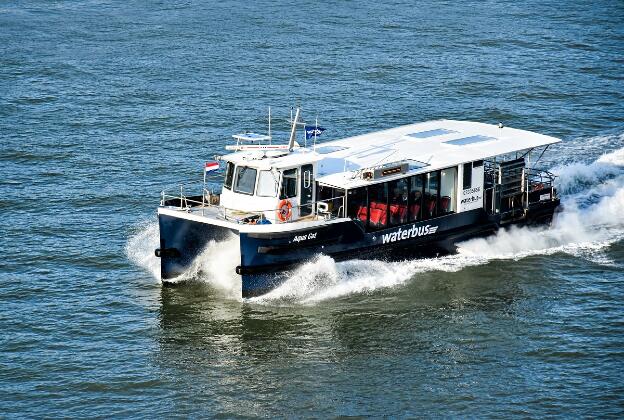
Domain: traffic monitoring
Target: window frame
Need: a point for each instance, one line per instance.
(275, 186)
(226, 185)
(454, 194)
(467, 175)
(236, 180)
(281, 186)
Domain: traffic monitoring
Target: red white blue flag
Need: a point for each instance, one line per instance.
(211, 166)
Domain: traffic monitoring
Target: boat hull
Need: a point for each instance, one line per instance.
(267, 257)
(181, 241)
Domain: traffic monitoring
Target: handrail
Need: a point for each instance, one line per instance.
(258, 216)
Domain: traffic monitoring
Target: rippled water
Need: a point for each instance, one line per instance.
(102, 104)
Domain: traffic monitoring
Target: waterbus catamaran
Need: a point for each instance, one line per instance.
(409, 191)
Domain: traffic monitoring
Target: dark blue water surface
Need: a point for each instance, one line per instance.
(103, 104)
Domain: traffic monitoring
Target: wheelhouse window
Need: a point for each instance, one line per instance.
(267, 185)
(245, 180)
(448, 197)
(289, 184)
(229, 176)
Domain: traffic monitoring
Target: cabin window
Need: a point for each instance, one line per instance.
(398, 201)
(378, 206)
(289, 184)
(467, 176)
(415, 204)
(357, 207)
(267, 185)
(448, 196)
(229, 176)
(245, 180)
(430, 203)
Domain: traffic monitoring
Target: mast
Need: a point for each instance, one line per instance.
(293, 131)
(269, 125)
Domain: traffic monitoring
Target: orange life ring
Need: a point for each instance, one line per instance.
(284, 210)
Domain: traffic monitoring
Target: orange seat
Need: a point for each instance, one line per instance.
(415, 211)
(362, 213)
(398, 213)
(378, 217)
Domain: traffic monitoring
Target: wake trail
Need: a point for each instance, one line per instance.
(592, 220)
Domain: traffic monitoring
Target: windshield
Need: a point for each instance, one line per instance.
(245, 180)
(266, 184)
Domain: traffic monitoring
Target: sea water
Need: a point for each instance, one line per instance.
(104, 104)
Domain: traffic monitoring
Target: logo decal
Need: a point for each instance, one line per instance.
(472, 198)
(413, 232)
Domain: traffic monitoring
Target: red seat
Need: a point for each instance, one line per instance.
(362, 213)
(415, 211)
(378, 217)
(431, 204)
(379, 206)
(398, 213)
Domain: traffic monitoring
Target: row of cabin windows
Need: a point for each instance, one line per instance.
(242, 179)
(415, 198)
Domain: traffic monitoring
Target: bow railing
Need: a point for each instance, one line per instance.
(207, 204)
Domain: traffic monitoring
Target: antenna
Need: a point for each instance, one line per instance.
(269, 125)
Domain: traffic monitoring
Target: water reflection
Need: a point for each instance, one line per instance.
(386, 321)
(193, 315)
(421, 332)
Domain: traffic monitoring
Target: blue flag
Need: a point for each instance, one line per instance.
(312, 131)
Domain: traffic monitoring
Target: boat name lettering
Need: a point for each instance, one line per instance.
(471, 199)
(413, 232)
(299, 238)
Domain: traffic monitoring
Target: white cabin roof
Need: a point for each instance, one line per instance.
(438, 144)
(433, 145)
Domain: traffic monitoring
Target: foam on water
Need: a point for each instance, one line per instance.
(141, 245)
(215, 265)
(592, 219)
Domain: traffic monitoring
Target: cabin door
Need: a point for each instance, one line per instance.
(307, 190)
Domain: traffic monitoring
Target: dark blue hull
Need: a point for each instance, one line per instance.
(181, 241)
(265, 256)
